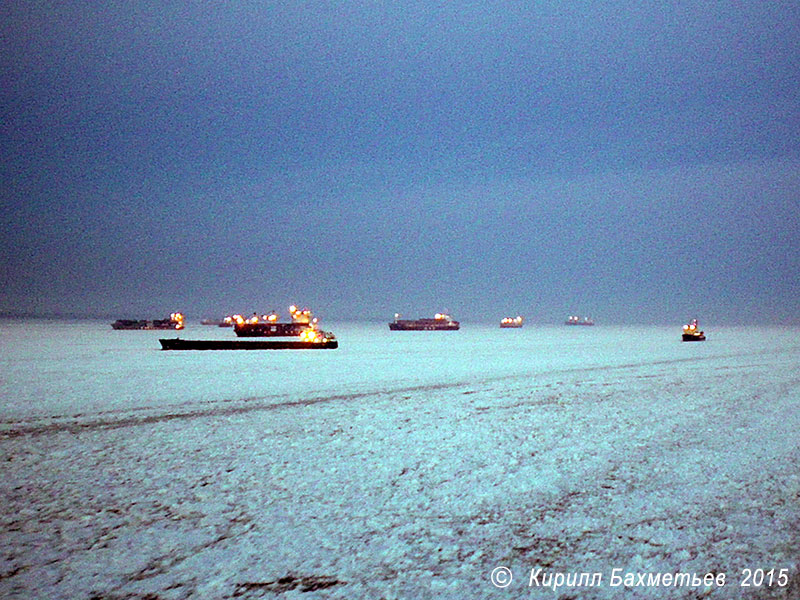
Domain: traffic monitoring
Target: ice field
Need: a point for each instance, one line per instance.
(402, 465)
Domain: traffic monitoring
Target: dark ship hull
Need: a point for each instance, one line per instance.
(424, 325)
(179, 344)
(510, 325)
(692, 332)
(690, 337)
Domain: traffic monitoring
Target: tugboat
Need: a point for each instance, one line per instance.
(268, 325)
(508, 322)
(575, 320)
(175, 321)
(692, 333)
(439, 322)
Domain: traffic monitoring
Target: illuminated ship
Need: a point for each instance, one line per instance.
(692, 333)
(229, 320)
(511, 322)
(440, 322)
(268, 326)
(175, 321)
(309, 340)
(575, 320)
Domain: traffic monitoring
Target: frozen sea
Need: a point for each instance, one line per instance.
(402, 465)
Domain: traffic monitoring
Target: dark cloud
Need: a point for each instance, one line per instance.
(630, 159)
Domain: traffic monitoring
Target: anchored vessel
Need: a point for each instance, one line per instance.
(229, 320)
(268, 325)
(303, 329)
(326, 341)
(440, 322)
(575, 320)
(511, 322)
(692, 333)
(175, 321)
(226, 321)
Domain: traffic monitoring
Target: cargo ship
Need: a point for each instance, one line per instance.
(575, 320)
(511, 322)
(440, 322)
(175, 321)
(268, 326)
(692, 333)
(321, 340)
(303, 329)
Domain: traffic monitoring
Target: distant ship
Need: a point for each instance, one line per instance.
(226, 321)
(175, 321)
(692, 333)
(575, 320)
(440, 322)
(217, 322)
(511, 322)
(268, 325)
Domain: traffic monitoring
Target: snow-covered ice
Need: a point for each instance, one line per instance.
(403, 465)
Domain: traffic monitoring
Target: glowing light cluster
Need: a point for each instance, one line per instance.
(512, 320)
(177, 319)
(310, 335)
(576, 320)
(303, 315)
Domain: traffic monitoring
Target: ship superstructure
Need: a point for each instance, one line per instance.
(303, 323)
(692, 333)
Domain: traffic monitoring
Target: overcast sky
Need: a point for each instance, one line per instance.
(637, 161)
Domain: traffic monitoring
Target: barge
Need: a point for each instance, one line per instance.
(179, 344)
